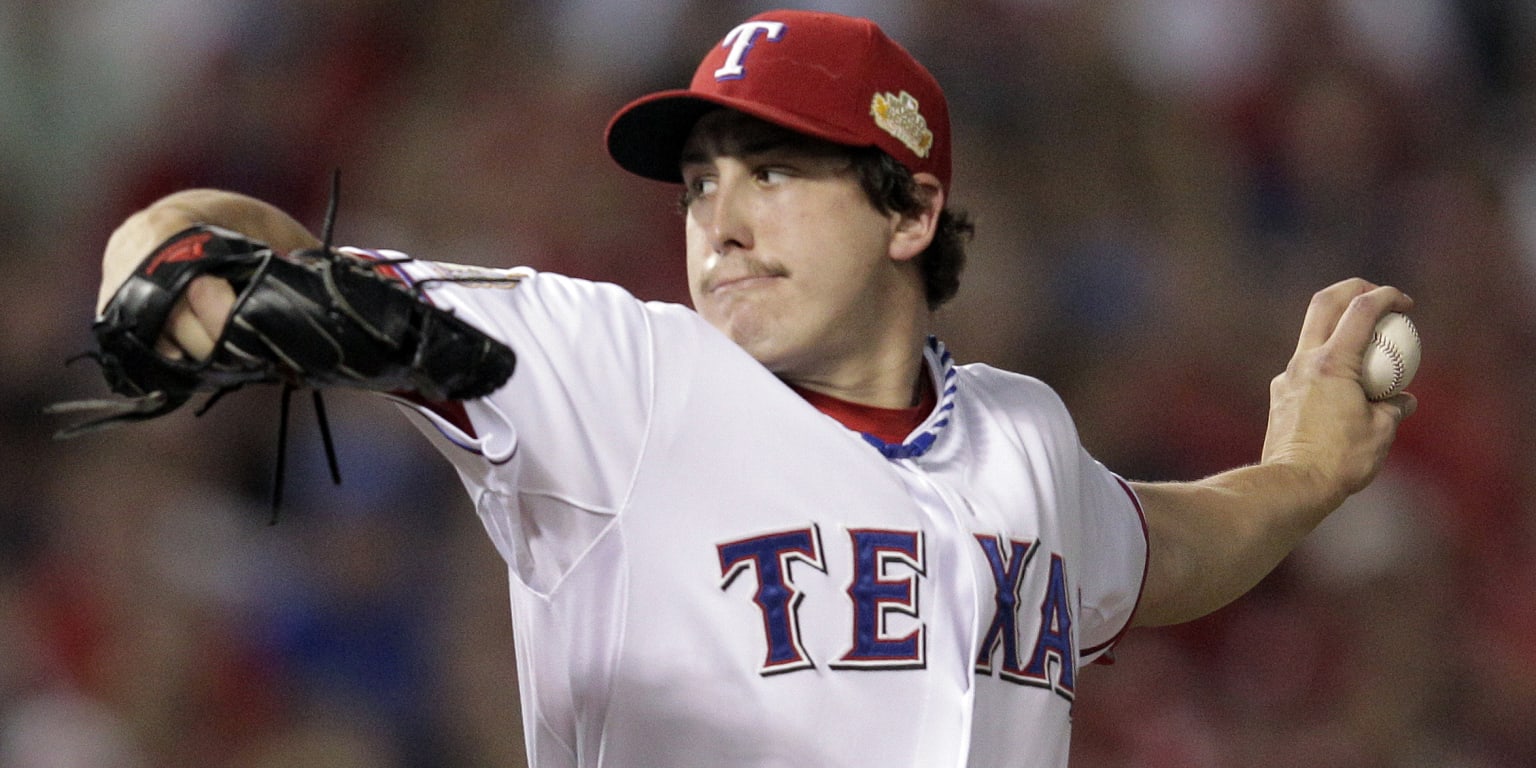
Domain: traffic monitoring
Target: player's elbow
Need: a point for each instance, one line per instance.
(1202, 552)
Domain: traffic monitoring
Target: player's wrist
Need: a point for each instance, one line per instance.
(1305, 487)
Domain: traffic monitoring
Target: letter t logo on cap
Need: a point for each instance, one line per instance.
(740, 40)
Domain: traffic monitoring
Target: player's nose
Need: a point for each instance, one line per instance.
(729, 215)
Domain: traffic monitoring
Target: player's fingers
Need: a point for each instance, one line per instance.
(1354, 327)
(167, 349)
(1352, 306)
(1399, 406)
(186, 333)
(211, 300)
(1325, 309)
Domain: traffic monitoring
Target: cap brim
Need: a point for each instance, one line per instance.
(648, 135)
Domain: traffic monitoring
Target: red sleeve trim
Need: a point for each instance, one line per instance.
(451, 411)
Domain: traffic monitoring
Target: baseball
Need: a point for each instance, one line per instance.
(1391, 358)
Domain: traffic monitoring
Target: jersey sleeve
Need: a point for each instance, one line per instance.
(551, 457)
(1114, 535)
(1083, 508)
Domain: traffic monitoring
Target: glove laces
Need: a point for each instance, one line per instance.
(286, 398)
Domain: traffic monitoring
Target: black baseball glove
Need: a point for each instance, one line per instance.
(314, 318)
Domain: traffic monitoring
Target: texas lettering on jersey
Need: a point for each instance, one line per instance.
(1027, 641)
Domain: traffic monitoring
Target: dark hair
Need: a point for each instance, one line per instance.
(891, 189)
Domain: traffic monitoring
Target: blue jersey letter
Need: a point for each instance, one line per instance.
(875, 597)
(769, 557)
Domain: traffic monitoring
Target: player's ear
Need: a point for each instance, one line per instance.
(914, 231)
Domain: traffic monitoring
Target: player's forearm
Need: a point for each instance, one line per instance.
(1213, 540)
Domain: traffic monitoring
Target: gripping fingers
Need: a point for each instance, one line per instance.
(1326, 309)
(197, 319)
(1345, 313)
(184, 336)
(1400, 406)
(1361, 314)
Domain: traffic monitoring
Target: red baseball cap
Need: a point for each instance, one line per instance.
(833, 77)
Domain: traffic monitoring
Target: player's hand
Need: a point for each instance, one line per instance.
(198, 318)
(1320, 423)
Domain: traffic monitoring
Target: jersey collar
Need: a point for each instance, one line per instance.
(942, 368)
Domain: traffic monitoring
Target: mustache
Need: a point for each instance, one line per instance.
(740, 269)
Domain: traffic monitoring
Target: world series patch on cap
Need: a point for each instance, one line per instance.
(837, 78)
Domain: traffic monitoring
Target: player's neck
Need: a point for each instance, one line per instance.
(876, 358)
(894, 378)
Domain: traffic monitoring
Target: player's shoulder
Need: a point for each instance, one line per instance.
(1008, 389)
(1015, 403)
(580, 294)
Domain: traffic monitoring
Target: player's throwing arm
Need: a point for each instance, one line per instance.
(1213, 540)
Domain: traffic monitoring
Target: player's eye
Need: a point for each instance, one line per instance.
(701, 185)
(695, 187)
(770, 175)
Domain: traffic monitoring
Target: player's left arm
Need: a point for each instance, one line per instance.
(1212, 540)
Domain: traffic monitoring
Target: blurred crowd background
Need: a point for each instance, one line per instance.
(1160, 186)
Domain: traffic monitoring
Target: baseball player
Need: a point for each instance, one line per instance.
(782, 527)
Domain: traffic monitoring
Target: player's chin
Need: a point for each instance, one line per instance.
(743, 321)
(752, 338)
(756, 336)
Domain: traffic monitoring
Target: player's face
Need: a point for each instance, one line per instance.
(786, 253)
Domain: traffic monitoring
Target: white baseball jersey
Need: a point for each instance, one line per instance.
(707, 571)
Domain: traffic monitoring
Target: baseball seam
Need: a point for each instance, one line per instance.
(1386, 346)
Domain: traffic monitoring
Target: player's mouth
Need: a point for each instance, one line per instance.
(735, 280)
